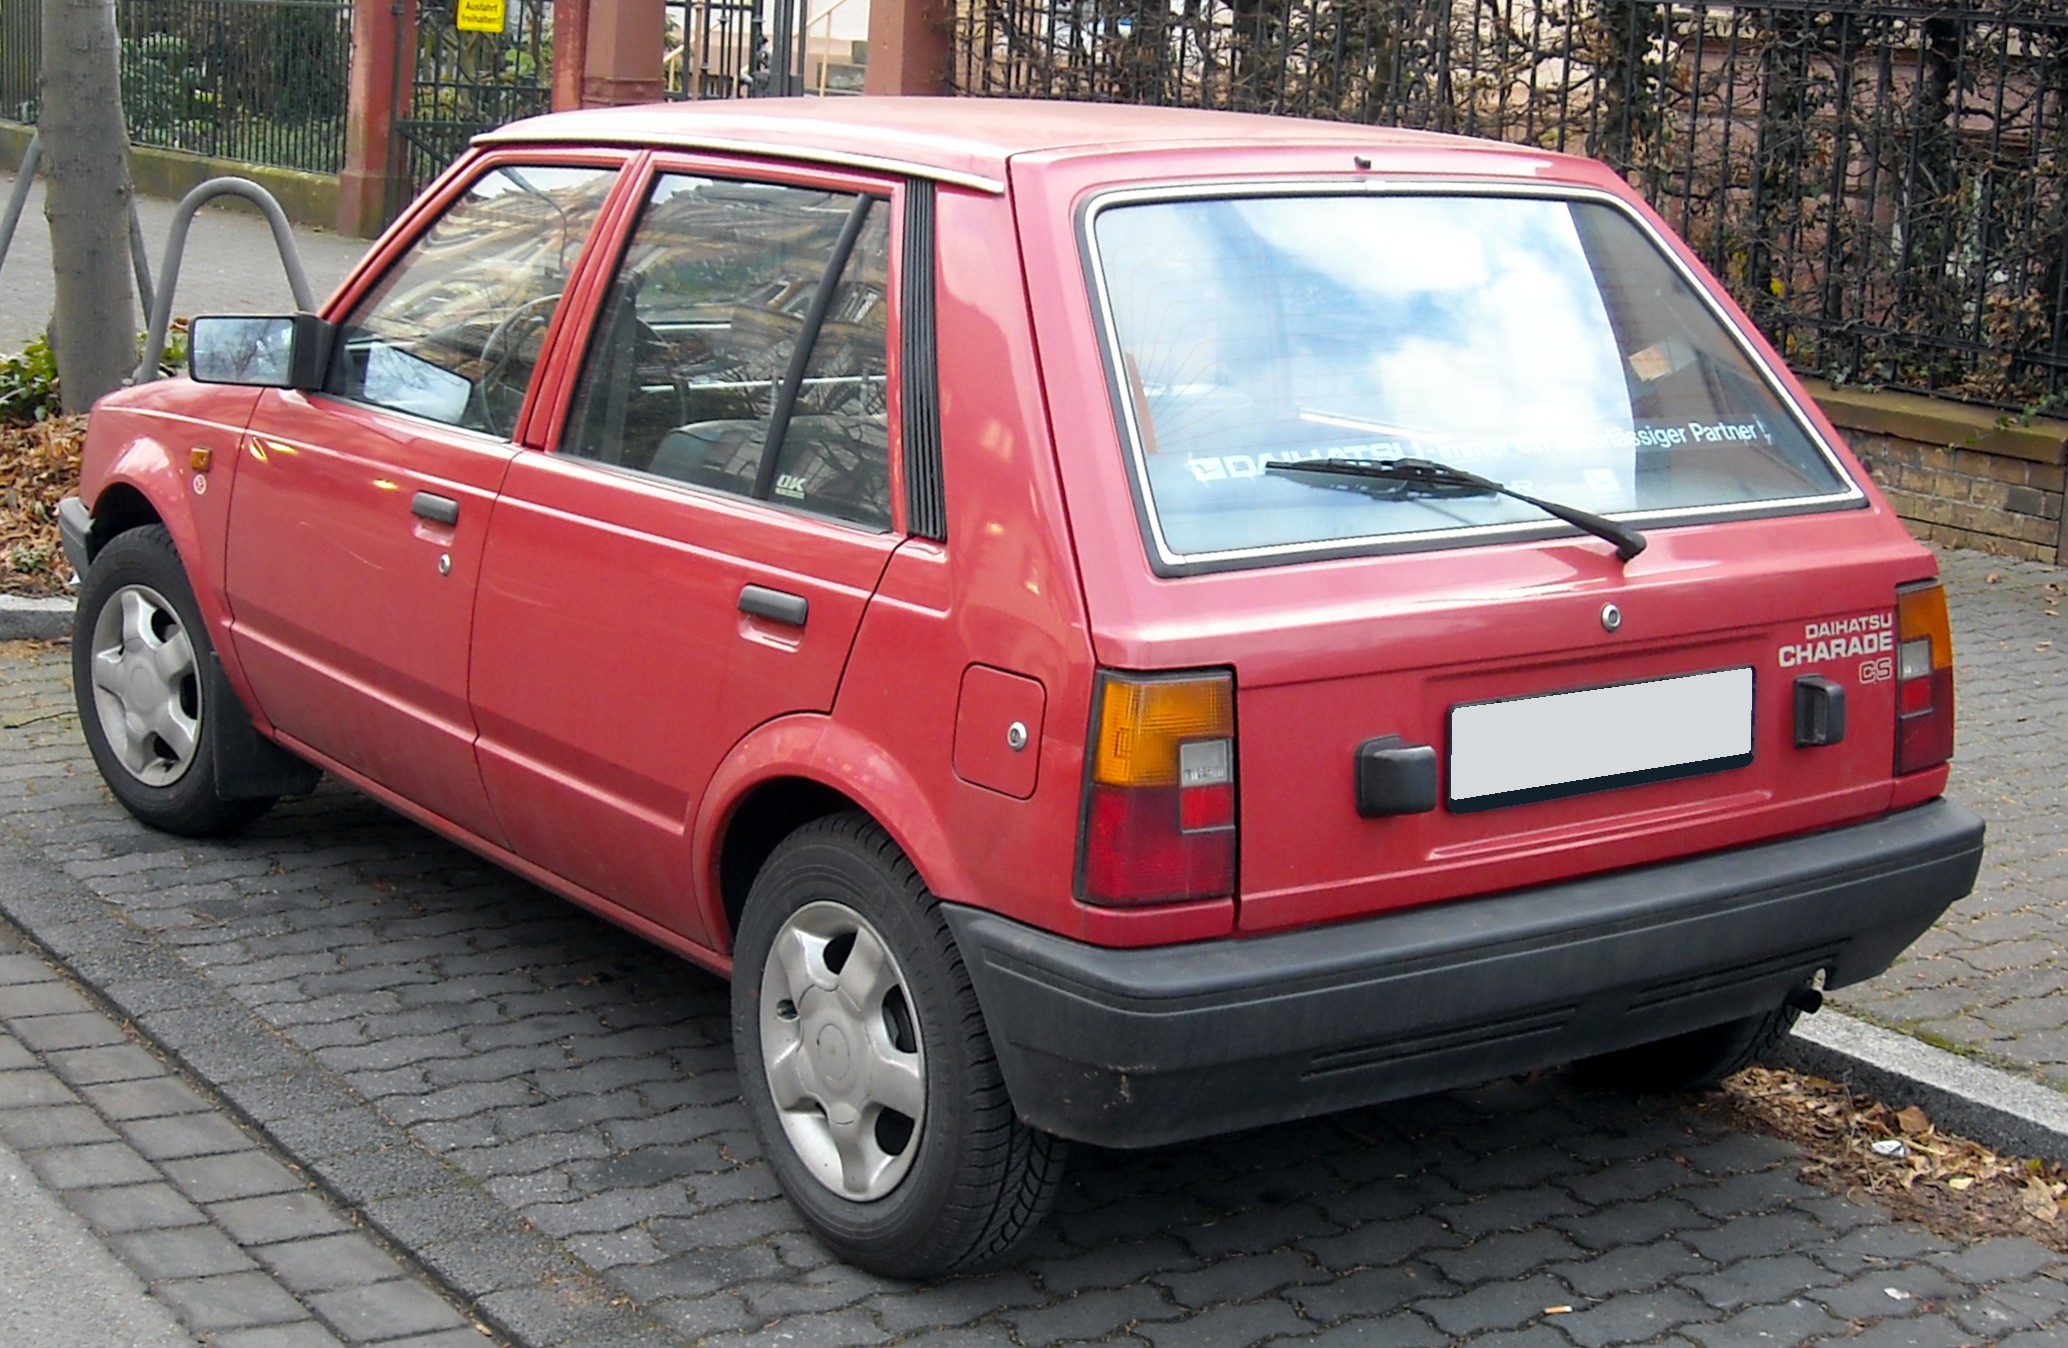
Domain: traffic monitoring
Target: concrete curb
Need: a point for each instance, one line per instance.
(2011, 1114)
(34, 619)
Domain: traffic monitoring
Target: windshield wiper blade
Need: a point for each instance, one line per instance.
(1403, 479)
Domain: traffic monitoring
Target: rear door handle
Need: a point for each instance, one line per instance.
(438, 509)
(775, 605)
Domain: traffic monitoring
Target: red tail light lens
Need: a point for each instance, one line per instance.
(1924, 678)
(1159, 796)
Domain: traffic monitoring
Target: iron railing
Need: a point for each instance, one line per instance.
(21, 47)
(465, 83)
(1882, 183)
(258, 81)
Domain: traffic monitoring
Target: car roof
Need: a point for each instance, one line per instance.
(967, 141)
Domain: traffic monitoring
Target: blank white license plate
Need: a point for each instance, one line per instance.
(1565, 744)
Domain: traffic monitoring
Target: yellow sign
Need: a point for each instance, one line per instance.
(479, 16)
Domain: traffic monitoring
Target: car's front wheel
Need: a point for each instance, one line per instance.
(140, 656)
(866, 1066)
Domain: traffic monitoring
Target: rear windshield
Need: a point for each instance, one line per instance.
(1548, 344)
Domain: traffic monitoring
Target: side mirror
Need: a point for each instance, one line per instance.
(273, 352)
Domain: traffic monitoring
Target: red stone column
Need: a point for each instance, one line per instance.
(910, 44)
(570, 51)
(621, 61)
(383, 53)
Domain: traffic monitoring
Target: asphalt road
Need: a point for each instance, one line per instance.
(542, 1113)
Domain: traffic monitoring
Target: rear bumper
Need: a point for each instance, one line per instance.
(1139, 1047)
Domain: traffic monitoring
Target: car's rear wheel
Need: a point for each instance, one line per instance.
(140, 658)
(866, 1066)
(1691, 1061)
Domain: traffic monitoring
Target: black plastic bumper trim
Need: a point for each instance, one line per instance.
(1139, 1047)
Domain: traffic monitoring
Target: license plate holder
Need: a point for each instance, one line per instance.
(1513, 751)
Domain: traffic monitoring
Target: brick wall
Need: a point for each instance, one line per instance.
(1960, 475)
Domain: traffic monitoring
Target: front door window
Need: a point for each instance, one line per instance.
(453, 330)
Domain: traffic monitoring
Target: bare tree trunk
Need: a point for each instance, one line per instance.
(86, 199)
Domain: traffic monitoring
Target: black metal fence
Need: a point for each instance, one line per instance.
(467, 82)
(715, 48)
(1882, 183)
(259, 81)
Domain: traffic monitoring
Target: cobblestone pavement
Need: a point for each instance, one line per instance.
(1990, 977)
(542, 1111)
(246, 1252)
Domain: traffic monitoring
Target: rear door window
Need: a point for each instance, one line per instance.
(1542, 342)
(698, 370)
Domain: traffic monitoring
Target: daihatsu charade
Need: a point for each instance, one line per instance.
(1108, 623)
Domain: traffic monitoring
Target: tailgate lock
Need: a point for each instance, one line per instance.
(1819, 711)
(1395, 777)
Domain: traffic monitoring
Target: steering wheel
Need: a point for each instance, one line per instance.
(492, 386)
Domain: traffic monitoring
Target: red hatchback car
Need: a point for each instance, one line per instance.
(1108, 623)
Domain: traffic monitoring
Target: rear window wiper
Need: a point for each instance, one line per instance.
(1407, 479)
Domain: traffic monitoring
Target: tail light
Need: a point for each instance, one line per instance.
(1159, 796)
(1924, 678)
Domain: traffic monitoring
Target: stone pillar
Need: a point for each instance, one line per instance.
(383, 54)
(570, 51)
(624, 44)
(910, 43)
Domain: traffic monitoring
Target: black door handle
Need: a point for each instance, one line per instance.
(437, 509)
(775, 605)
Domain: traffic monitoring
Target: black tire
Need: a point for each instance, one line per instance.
(140, 656)
(965, 1182)
(1692, 1061)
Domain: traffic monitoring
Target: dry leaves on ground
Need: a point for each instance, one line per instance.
(39, 465)
(1863, 1148)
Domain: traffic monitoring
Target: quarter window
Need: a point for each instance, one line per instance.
(694, 371)
(453, 330)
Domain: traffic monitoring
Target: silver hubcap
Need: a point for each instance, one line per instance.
(842, 1051)
(146, 686)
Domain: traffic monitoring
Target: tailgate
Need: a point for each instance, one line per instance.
(1610, 718)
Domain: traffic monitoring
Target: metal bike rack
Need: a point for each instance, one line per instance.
(176, 246)
(25, 177)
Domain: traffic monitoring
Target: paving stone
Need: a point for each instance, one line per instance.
(328, 1263)
(303, 1334)
(96, 1165)
(1759, 1281)
(386, 1310)
(21, 1003)
(114, 1062)
(134, 1207)
(246, 1174)
(1638, 1318)
(180, 1252)
(229, 1301)
(1631, 1268)
(1507, 1254)
(275, 1217)
(1089, 1315)
(186, 1135)
(79, 1030)
(1240, 1278)
(155, 1097)
(1502, 1305)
